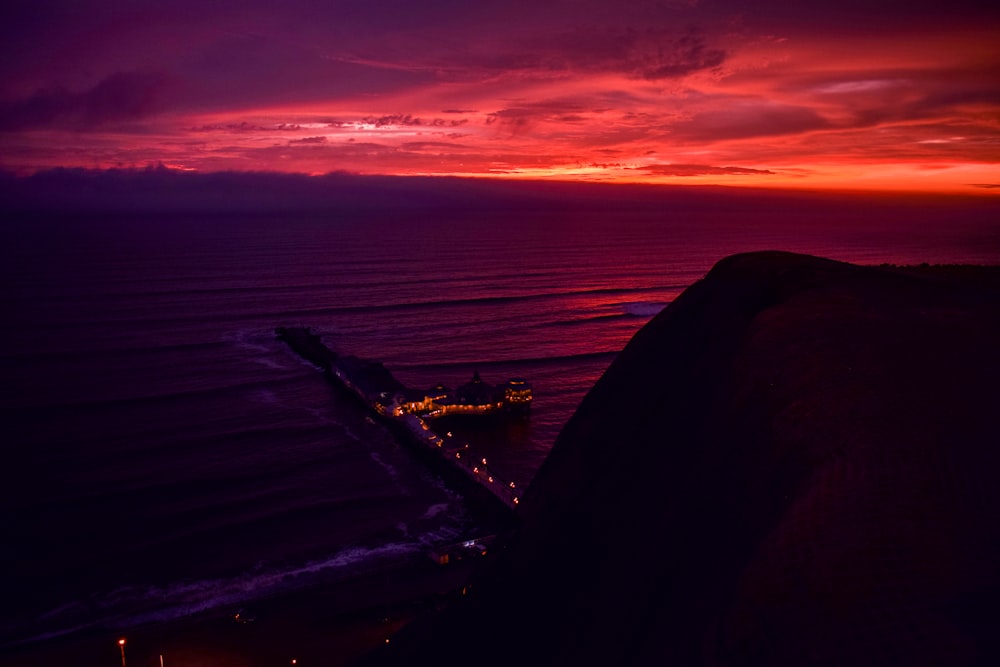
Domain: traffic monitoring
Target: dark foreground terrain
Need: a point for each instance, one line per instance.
(797, 462)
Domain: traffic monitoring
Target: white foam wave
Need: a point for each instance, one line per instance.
(245, 339)
(644, 308)
(266, 396)
(267, 362)
(130, 606)
(389, 469)
(434, 510)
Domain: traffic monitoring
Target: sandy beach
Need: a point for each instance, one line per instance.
(333, 625)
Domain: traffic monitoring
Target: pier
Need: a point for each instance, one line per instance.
(409, 416)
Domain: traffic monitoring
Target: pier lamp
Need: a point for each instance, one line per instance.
(121, 645)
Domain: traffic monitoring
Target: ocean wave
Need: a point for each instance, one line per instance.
(553, 360)
(492, 300)
(266, 397)
(624, 311)
(390, 471)
(644, 308)
(434, 510)
(592, 319)
(152, 288)
(115, 352)
(130, 606)
(249, 339)
(252, 387)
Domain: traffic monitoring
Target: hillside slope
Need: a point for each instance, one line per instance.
(797, 462)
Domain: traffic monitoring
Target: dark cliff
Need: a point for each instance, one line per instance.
(797, 462)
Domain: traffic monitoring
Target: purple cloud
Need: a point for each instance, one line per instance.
(657, 58)
(124, 96)
(651, 53)
(247, 127)
(405, 120)
(701, 170)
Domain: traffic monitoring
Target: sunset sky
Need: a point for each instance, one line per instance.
(847, 94)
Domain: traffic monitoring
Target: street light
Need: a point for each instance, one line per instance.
(121, 645)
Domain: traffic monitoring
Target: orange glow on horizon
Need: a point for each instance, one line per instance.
(912, 105)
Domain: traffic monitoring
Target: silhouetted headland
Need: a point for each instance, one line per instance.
(795, 463)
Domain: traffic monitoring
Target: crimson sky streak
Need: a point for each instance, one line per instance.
(859, 95)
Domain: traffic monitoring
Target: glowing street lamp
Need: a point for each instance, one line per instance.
(121, 645)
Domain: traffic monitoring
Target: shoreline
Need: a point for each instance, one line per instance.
(334, 625)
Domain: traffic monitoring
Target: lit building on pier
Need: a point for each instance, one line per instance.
(472, 398)
(517, 394)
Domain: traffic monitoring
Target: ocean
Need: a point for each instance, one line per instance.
(164, 454)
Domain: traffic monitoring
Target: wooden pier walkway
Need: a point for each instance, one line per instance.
(467, 471)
